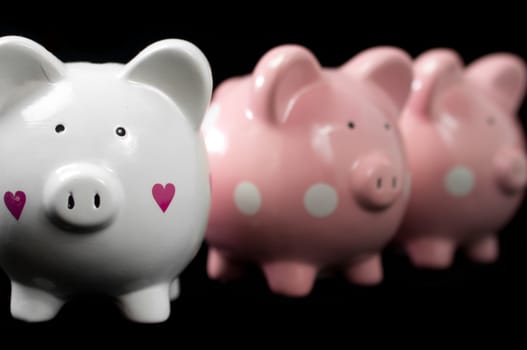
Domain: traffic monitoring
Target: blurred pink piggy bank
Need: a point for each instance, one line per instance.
(466, 153)
(308, 169)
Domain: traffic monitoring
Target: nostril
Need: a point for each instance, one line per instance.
(379, 182)
(71, 201)
(97, 200)
(394, 182)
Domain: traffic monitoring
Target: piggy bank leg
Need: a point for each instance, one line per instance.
(485, 250)
(149, 305)
(366, 271)
(220, 267)
(33, 305)
(431, 252)
(174, 289)
(294, 279)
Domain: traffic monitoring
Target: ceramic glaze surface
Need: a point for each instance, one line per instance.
(308, 170)
(466, 152)
(104, 176)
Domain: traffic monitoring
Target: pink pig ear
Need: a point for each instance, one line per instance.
(502, 76)
(388, 68)
(434, 70)
(279, 77)
(225, 86)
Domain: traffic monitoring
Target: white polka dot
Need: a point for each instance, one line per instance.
(211, 116)
(247, 198)
(320, 200)
(459, 181)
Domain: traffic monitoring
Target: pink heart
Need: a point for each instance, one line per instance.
(15, 203)
(163, 195)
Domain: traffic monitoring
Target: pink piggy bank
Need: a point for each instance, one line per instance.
(308, 168)
(465, 149)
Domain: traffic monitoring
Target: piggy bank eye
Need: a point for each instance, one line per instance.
(59, 128)
(120, 131)
(387, 126)
(351, 125)
(491, 121)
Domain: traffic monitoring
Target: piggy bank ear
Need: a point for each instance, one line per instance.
(178, 69)
(24, 67)
(387, 68)
(279, 77)
(502, 76)
(433, 72)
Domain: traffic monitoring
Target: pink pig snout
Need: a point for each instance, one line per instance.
(375, 182)
(511, 170)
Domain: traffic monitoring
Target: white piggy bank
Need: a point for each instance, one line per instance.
(104, 176)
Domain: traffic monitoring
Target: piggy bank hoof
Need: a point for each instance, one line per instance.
(150, 305)
(33, 305)
(175, 289)
(431, 253)
(484, 251)
(290, 278)
(366, 272)
(221, 268)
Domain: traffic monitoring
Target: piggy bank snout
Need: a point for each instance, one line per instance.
(82, 197)
(376, 182)
(511, 170)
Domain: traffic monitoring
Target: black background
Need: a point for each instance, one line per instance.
(489, 295)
